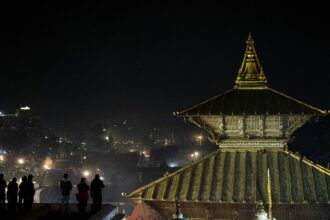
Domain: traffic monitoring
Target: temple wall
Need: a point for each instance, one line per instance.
(199, 211)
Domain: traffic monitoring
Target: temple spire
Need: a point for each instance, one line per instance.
(250, 74)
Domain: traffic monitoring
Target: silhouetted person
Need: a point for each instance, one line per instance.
(12, 195)
(96, 193)
(66, 187)
(82, 195)
(29, 193)
(3, 186)
(21, 192)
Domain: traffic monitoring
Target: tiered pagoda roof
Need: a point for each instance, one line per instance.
(252, 124)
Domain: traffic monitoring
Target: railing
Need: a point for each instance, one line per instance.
(106, 213)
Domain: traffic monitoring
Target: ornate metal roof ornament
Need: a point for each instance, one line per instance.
(250, 74)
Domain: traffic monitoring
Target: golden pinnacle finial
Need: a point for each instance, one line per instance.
(250, 39)
(250, 74)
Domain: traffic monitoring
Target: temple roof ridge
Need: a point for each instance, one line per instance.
(250, 74)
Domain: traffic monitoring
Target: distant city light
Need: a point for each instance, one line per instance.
(194, 155)
(146, 154)
(20, 161)
(101, 177)
(2, 158)
(1, 114)
(107, 138)
(46, 137)
(85, 157)
(25, 108)
(173, 164)
(199, 139)
(48, 164)
(86, 173)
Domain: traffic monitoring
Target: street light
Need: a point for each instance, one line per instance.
(20, 161)
(86, 173)
(194, 155)
(199, 139)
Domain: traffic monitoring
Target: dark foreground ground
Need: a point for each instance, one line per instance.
(52, 212)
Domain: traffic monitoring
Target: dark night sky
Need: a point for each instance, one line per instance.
(142, 61)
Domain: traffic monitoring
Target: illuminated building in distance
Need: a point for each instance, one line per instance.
(19, 129)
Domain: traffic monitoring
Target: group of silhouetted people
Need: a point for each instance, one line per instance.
(82, 196)
(20, 196)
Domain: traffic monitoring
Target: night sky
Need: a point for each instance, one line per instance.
(142, 61)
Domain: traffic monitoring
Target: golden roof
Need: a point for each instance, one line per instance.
(250, 74)
(251, 102)
(240, 176)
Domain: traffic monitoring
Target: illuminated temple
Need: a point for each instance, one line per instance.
(252, 125)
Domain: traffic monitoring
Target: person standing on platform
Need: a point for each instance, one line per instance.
(21, 192)
(29, 194)
(66, 187)
(12, 196)
(3, 186)
(82, 195)
(96, 193)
